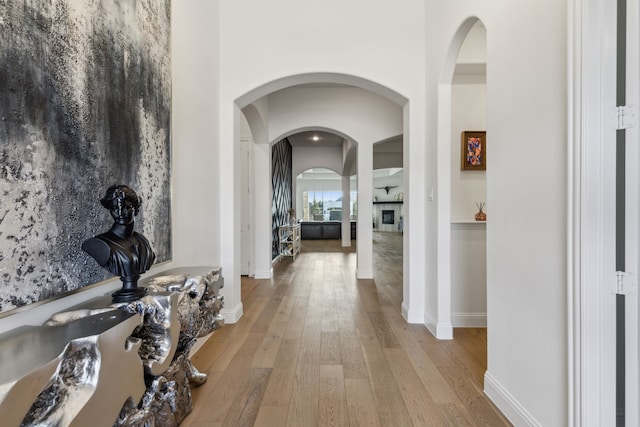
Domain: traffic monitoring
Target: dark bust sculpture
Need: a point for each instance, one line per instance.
(121, 250)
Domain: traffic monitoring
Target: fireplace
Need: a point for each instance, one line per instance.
(388, 217)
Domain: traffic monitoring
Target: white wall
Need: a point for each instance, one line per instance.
(525, 117)
(221, 52)
(468, 241)
(195, 153)
(278, 44)
(526, 197)
(468, 274)
(468, 105)
(305, 158)
(199, 199)
(356, 114)
(396, 180)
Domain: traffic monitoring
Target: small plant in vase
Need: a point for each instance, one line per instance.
(480, 215)
(292, 216)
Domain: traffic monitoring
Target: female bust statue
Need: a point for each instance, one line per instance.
(122, 251)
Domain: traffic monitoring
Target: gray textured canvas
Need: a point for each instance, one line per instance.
(85, 102)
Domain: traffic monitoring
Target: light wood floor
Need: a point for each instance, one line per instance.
(316, 347)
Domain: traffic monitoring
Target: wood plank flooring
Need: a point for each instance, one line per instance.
(316, 347)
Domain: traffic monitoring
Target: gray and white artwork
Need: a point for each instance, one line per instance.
(85, 103)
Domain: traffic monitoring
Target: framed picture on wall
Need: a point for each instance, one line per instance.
(473, 151)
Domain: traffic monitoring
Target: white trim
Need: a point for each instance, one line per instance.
(591, 201)
(510, 407)
(247, 252)
(442, 331)
(232, 315)
(632, 232)
(431, 327)
(411, 316)
(574, 74)
(469, 320)
(364, 274)
(443, 244)
(266, 274)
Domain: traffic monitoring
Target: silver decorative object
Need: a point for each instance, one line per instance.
(199, 305)
(160, 330)
(70, 374)
(125, 364)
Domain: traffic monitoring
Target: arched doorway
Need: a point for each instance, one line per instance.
(461, 240)
(378, 104)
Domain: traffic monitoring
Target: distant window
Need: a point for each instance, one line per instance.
(321, 205)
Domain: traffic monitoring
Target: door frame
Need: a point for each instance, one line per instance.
(591, 268)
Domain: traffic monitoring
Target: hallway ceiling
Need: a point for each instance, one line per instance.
(306, 139)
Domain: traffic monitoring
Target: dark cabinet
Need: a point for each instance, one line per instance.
(316, 230)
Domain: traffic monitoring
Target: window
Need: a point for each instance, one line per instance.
(326, 205)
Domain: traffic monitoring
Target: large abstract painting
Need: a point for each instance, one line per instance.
(85, 102)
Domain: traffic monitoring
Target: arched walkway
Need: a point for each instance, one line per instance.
(443, 328)
(264, 108)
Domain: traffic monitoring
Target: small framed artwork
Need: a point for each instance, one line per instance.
(473, 151)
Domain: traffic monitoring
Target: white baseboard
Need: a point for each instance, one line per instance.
(430, 324)
(263, 274)
(509, 406)
(442, 331)
(469, 320)
(412, 316)
(232, 315)
(364, 274)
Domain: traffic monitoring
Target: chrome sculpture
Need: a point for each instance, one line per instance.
(71, 373)
(199, 305)
(113, 364)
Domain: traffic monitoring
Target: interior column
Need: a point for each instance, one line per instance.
(365, 212)
(346, 212)
(262, 205)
